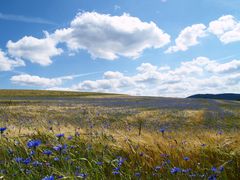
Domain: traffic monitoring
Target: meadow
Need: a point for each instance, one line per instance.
(68, 135)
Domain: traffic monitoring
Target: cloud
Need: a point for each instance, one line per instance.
(7, 64)
(30, 80)
(112, 75)
(200, 75)
(50, 83)
(12, 17)
(108, 37)
(226, 28)
(36, 50)
(188, 37)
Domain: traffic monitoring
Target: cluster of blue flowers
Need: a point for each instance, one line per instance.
(59, 152)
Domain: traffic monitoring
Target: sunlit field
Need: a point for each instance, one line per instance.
(51, 135)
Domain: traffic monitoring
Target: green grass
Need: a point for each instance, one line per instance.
(46, 93)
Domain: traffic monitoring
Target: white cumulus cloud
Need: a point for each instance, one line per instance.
(7, 64)
(200, 75)
(226, 28)
(108, 37)
(36, 50)
(30, 80)
(188, 37)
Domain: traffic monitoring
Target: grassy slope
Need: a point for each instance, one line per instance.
(46, 93)
(109, 132)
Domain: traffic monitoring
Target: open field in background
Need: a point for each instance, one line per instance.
(106, 136)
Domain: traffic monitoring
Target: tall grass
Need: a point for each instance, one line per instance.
(117, 143)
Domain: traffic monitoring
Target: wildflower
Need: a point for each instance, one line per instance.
(56, 159)
(2, 129)
(26, 161)
(186, 170)
(32, 153)
(82, 175)
(33, 143)
(47, 152)
(77, 134)
(162, 130)
(36, 163)
(70, 137)
(67, 158)
(116, 172)
(186, 158)
(18, 159)
(48, 178)
(58, 147)
(212, 177)
(157, 168)
(214, 169)
(120, 160)
(175, 170)
(99, 163)
(138, 174)
(221, 168)
(116, 169)
(59, 136)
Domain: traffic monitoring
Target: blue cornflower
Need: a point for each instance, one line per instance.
(212, 177)
(77, 134)
(116, 172)
(214, 169)
(116, 168)
(60, 135)
(48, 178)
(26, 161)
(162, 130)
(2, 129)
(18, 159)
(32, 153)
(186, 158)
(36, 163)
(70, 137)
(138, 174)
(99, 163)
(67, 158)
(157, 168)
(47, 152)
(186, 170)
(56, 159)
(120, 160)
(221, 168)
(83, 175)
(59, 147)
(33, 143)
(175, 170)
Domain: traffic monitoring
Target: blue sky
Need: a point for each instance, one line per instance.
(156, 48)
